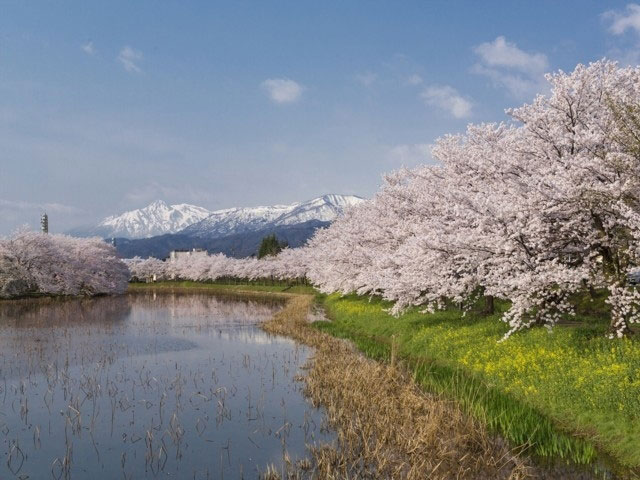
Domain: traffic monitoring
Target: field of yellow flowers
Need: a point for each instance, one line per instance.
(570, 393)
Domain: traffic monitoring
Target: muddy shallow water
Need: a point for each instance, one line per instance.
(149, 385)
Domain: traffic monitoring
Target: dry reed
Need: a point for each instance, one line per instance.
(387, 427)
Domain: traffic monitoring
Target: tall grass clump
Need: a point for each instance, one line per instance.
(570, 394)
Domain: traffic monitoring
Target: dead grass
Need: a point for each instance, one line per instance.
(387, 427)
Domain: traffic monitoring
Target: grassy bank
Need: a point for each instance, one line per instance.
(531, 389)
(571, 394)
(387, 426)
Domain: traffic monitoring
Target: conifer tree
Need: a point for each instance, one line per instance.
(270, 246)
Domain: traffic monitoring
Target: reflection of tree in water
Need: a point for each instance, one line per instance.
(51, 333)
(132, 386)
(37, 334)
(205, 310)
(63, 312)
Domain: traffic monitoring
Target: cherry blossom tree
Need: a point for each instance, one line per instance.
(532, 212)
(63, 265)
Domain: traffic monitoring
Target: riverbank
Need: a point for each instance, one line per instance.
(387, 426)
(570, 394)
(483, 413)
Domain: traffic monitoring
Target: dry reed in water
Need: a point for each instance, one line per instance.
(387, 426)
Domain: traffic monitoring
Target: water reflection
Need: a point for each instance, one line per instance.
(146, 385)
(64, 312)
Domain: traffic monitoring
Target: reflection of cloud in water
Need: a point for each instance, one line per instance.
(90, 330)
(188, 381)
(252, 335)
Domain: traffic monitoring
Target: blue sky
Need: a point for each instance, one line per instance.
(107, 106)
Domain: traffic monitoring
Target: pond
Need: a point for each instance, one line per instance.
(149, 385)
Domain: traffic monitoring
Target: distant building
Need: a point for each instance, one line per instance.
(174, 255)
(44, 223)
(113, 241)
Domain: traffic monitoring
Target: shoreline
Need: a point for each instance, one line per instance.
(422, 372)
(397, 409)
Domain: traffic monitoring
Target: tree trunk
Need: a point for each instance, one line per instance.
(489, 305)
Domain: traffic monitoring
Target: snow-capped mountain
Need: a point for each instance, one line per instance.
(249, 219)
(190, 226)
(157, 218)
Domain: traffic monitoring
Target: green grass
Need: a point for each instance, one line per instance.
(571, 394)
(562, 393)
(277, 287)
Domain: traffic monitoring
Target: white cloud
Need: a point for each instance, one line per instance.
(283, 90)
(129, 59)
(88, 48)
(45, 207)
(626, 50)
(519, 86)
(20, 214)
(447, 98)
(153, 190)
(501, 53)
(414, 79)
(521, 73)
(621, 22)
(366, 79)
(410, 154)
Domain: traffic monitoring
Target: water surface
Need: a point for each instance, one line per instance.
(149, 385)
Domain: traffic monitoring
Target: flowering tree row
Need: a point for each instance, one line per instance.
(531, 211)
(289, 264)
(32, 262)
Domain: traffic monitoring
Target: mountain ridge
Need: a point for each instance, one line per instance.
(158, 219)
(238, 245)
(245, 219)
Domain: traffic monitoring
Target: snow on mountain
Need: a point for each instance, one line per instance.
(325, 209)
(157, 218)
(248, 219)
